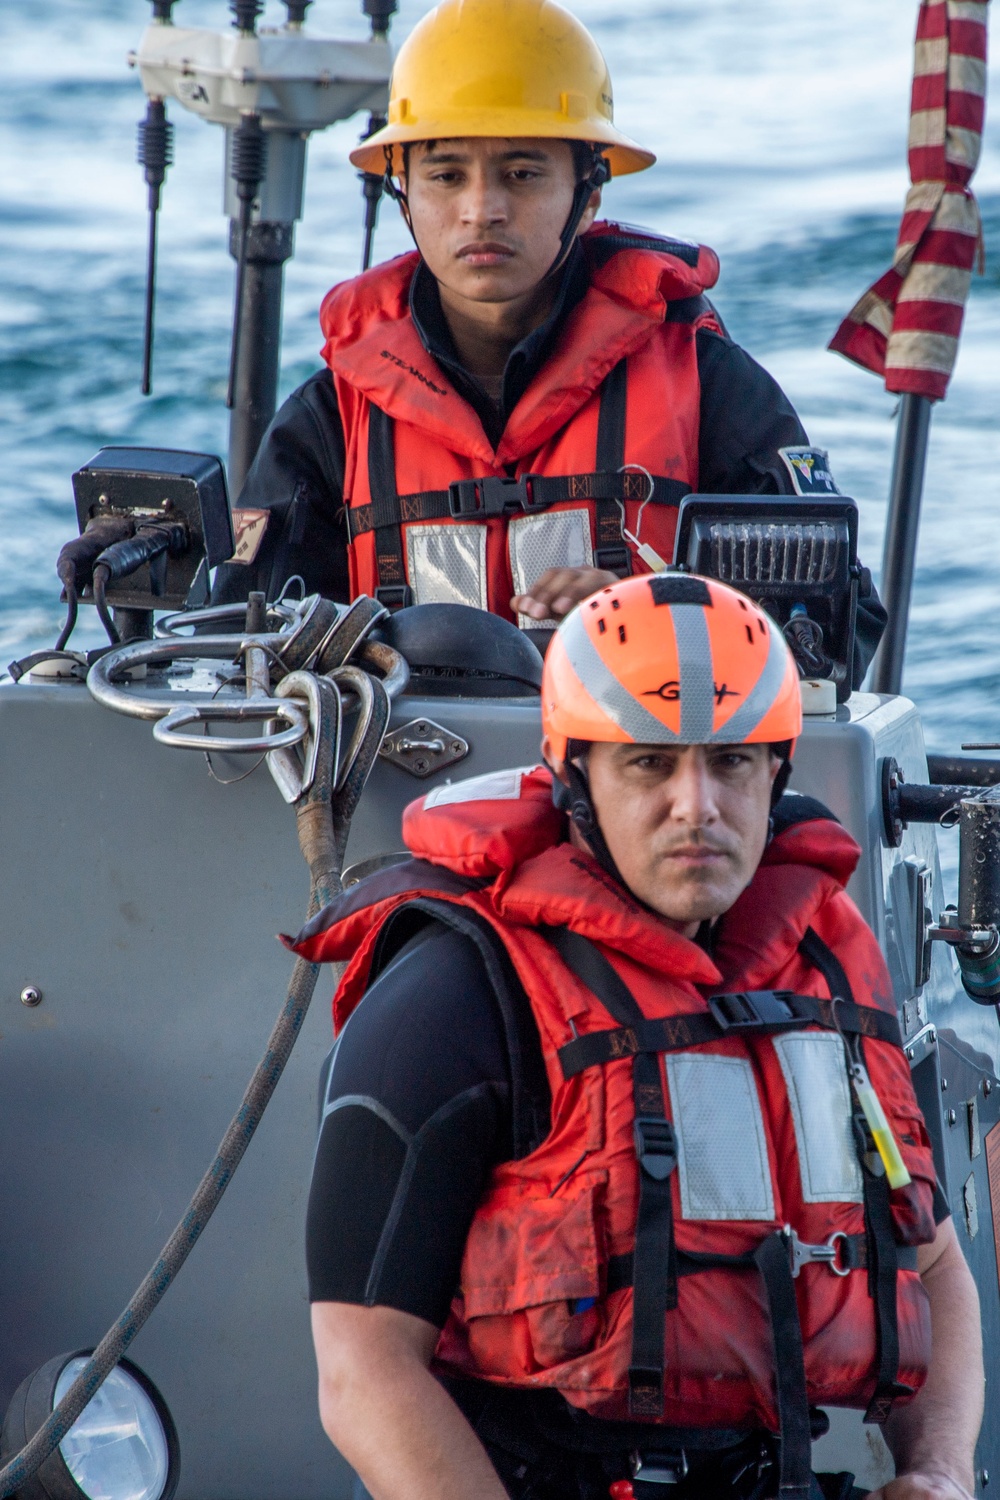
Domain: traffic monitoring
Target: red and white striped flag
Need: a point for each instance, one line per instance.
(906, 326)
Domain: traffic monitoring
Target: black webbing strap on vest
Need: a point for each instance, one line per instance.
(746, 1012)
(883, 1252)
(795, 1463)
(611, 550)
(498, 495)
(655, 1254)
(384, 514)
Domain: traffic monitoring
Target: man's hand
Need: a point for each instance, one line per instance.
(925, 1486)
(559, 590)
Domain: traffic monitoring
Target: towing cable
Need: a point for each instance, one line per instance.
(310, 655)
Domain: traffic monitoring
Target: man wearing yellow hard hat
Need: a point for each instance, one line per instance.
(509, 416)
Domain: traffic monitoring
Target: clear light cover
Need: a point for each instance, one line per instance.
(116, 1448)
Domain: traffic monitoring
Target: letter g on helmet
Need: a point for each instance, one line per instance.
(669, 659)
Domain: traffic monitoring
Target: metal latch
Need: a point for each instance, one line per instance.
(829, 1254)
(423, 747)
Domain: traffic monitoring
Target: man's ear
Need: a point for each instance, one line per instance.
(775, 764)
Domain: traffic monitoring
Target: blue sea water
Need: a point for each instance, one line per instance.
(780, 130)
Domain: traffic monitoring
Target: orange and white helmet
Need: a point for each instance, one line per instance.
(669, 659)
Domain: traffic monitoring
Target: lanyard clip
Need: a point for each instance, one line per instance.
(829, 1254)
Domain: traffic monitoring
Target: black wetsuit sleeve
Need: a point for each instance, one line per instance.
(298, 476)
(745, 418)
(416, 1114)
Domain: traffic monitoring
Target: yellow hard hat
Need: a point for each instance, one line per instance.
(500, 68)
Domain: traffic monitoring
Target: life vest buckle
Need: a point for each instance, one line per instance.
(754, 1010)
(496, 495)
(655, 1146)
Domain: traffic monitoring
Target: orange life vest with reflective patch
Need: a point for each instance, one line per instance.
(609, 421)
(702, 1238)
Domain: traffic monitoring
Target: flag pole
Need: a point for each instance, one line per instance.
(901, 528)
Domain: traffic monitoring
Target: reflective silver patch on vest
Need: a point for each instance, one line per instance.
(555, 539)
(495, 786)
(721, 1141)
(816, 1079)
(447, 564)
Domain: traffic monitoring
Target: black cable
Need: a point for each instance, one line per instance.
(156, 154)
(805, 639)
(71, 613)
(101, 575)
(248, 163)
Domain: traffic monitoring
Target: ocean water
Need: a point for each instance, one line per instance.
(780, 130)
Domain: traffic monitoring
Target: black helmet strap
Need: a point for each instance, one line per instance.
(575, 799)
(598, 173)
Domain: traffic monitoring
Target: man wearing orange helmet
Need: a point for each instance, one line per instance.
(499, 406)
(621, 1177)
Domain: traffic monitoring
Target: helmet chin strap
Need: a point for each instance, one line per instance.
(597, 176)
(575, 800)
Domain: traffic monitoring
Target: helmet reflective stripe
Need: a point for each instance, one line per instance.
(761, 698)
(697, 688)
(607, 692)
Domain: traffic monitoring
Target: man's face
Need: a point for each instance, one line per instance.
(488, 214)
(685, 825)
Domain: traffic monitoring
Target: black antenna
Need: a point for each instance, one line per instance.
(245, 13)
(156, 154)
(247, 165)
(371, 187)
(380, 13)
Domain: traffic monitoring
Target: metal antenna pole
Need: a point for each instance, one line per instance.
(901, 529)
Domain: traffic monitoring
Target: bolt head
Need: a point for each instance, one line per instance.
(987, 1086)
(951, 1117)
(31, 995)
(984, 1477)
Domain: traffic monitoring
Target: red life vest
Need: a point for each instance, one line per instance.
(701, 1163)
(434, 514)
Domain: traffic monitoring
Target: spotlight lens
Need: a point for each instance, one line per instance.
(116, 1449)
